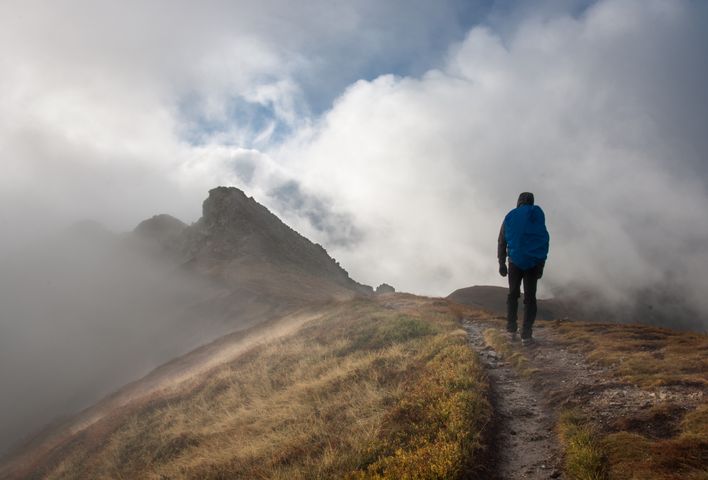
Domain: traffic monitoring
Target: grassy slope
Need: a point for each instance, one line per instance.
(369, 390)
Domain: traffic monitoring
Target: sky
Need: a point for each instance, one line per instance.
(395, 133)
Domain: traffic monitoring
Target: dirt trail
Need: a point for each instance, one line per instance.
(525, 444)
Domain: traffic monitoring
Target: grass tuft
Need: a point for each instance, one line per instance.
(585, 458)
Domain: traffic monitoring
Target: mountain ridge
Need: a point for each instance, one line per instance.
(239, 242)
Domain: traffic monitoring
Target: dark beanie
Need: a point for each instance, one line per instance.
(525, 198)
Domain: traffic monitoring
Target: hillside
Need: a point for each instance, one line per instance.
(392, 387)
(88, 310)
(360, 389)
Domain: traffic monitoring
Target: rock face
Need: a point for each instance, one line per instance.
(385, 288)
(241, 244)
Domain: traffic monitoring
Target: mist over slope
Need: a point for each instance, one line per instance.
(337, 391)
(87, 310)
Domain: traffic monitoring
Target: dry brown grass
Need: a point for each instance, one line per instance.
(684, 456)
(363, 392)
(650, 358)
(642, 355)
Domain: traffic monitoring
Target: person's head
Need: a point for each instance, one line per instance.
(526, 198)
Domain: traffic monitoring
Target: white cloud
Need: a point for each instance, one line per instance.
(104, 101)
(572, 109)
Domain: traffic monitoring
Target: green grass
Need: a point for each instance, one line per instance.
(585, 457)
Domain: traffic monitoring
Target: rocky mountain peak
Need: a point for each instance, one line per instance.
(240, 238)
(234, 225)
(229, 208)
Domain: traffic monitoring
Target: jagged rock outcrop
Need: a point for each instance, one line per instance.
(236, 234)
(241, 244)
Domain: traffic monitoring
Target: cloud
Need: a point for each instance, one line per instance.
(337, 229)
(133, 105)
(598, 114)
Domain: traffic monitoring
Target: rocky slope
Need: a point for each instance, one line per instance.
(241, 245)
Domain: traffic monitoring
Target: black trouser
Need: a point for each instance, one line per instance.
(530, 279)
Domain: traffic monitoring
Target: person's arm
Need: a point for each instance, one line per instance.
(501, 252)
(539, 269)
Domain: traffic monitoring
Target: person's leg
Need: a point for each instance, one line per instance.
(530, 278)
(512, 300)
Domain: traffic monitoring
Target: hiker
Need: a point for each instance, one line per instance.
(524, 238)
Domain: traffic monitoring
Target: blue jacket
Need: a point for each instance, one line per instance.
(524, 237)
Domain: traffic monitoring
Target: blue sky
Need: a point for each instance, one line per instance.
(404, 39)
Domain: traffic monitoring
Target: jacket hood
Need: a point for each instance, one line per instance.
(526, 198)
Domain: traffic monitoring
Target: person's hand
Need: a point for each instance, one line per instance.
(502, 269)
(540, 272)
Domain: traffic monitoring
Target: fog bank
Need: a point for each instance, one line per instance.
(84, 312)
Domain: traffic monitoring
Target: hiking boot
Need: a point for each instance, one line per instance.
(525, 342)
(512, 336)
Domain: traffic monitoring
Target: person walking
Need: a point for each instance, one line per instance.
(524, 238)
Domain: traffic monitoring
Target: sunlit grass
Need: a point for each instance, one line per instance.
(585, 458)
(364, 392)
